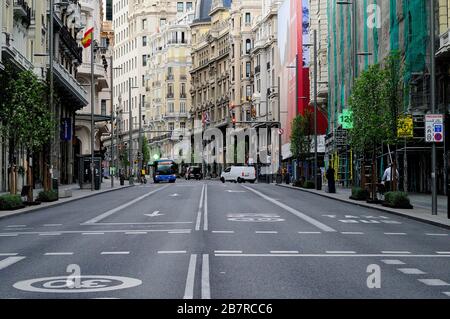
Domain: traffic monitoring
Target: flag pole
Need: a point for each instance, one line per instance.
(92, 116)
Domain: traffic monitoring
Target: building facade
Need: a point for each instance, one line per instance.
(168, 85)
(134, 21)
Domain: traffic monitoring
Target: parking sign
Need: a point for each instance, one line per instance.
(434, 128)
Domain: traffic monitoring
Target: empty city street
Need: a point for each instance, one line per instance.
(207, 239)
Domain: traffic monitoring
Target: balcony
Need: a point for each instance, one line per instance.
(71, 44)
(257, 69)
(444, 44)
(22, 11)
(70, 84)
(11, 53)
(170, 77)
(170, 95)
(183, 95)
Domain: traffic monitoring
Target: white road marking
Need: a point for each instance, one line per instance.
(310, 232)
(228, 251)
(115, 253)
(394, 252)
(189, 289)
(59, 254)
(434, 282)
(9, 261)
(8, 254)
(233, 191)
(205, 210)
(154, 214)
(443, 252)
(171, 251)
(411, 271)
(340, 252)
(52, 225)
(16, 226)
(148, 223)
(284, 251)
(50, 234)
(393, 262)
(103, 231)
(223, 231)
(352, 233)
(436, 234)
(174, 195)
(327, 255)
(266, 232)
(400, 234)
(306, 218)
(206, 291)
(136, 233)
(180, 232)
(8, 235)
(447, 293)
(199, 213)
(121, 207)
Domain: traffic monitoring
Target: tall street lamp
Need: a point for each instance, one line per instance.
(130, 128)
(111, 165)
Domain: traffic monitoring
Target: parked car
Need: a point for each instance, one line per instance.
(239, 174)
(194, 172)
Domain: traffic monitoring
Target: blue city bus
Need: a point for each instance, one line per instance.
(165, 171)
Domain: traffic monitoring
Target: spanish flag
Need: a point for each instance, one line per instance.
(87, 39)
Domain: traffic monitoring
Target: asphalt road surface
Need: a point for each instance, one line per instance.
(205, 239)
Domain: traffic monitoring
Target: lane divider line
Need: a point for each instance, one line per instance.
(115, 253)
(205, 210)
(411, 271)
(121, 207)
(199, 212)
(340, 252)
(393, 262)
(301, 215)
(434, 282)
(394, 252)
(9, 261)
(206, 290)
(171, 251)
(189, 289)
(59, 254)
(284, 252)
(309, 232)
(223, 231)
(228, 251)
(443, 252)
(266, 232)
(8, 254)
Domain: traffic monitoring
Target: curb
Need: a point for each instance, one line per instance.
(426, 221)
(59, 203)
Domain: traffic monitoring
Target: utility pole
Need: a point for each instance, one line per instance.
(141, 104)
(315, 111)
(433, 106)
(130, 130)
(280, 155)
(111, 165)
(52, 106)
(92, 116)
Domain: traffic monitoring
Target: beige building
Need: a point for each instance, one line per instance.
(222, 41)
(168, 83)
(134, 21)
(24, 44)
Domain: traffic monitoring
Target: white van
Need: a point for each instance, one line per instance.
(239, 174)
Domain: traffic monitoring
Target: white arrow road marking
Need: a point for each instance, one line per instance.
(154, 214)
(9, 261)
(117, 209)
(301, 215)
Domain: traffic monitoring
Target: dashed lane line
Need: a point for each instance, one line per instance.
(205, 210)
(429, 234)
(121, 207)
(228, 251)
(52, 225)
(8, 254)
(50, 234)
(443, 252)
(266, 232)
(206, 290)
(434, 282)
(171, 251)
(301, 215)
(223, 231)
(199, 212)
(189, 288)
(59, 254)
(16, 226)
(115, 253)
(411, 271)
(8, 235)
(310, 232)
(395, 234)
(393, 262)
(220, 254)
(93, 233)
(136, 233)
(340, 252)
(284, 251)
(84, 232)
(352, 233)
(392, 252)
(9, 261)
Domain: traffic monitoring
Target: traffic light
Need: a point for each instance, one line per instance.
(233, 120)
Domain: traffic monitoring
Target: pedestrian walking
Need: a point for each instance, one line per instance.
(330, 179)
(388, 178)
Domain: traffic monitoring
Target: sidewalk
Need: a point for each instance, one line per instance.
(420, 202)
(77, 194)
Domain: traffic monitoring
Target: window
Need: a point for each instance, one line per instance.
(182, 126)
(162, 22)
(188, 6)
(171, 107)
(103, 107)
(144, 41)
(248, 46)
(182, 107)
(180, 7)
(247, 18)
(247, 69)
(144, 24)
(171, 126)
(144, 60)
(248, 92)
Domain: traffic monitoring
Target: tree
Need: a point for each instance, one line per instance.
(145, 151)
(301, 136)
(26, 120)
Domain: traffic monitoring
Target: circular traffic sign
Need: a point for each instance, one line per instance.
(438, 137)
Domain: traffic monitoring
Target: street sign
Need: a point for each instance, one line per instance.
(434, 128)
(346, 119)
(405, 126)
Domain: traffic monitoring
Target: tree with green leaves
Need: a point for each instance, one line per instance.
(145, 151)
(25, 118)
(301, 137)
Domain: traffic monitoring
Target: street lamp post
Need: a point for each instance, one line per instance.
(112, 120)
(315, 112)
(130, 128)
(433, 106)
